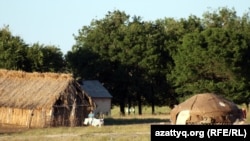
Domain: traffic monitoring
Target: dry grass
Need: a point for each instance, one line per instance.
(105, 133)
(128, 128)
(131, 127)
(117, 129)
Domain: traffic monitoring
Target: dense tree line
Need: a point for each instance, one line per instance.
(15, 54)
(157, 62)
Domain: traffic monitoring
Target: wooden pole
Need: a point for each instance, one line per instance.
(30, 117)
(73, 115)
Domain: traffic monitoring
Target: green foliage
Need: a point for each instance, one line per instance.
(53, 60)
(16, 55)
(35, 56)
(209, 62)
(159, 62)
(130, 57)
(149, 62)
(46, 58)
(12, 51)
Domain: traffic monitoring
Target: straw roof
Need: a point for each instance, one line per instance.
(33, 90)
(207, 105)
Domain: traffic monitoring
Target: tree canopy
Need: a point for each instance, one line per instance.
(163, 61)
(15, 54)
(141, 62)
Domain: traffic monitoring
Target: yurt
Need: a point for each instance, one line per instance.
(205, 108)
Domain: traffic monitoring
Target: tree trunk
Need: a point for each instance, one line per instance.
(153, 107)
(247, 105)
(122, 108)
(122, 99)
(152, 100)
(139, 104)
(129, 105)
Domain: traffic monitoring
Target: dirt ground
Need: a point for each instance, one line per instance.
(4, 128)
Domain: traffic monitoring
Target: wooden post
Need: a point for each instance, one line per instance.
(43, 117)
(73, 114)
(30, 117)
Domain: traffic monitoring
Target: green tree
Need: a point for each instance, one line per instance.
(222, 18)
(210, 62)
(212, 58)
(46, 58)
(127, 55)
(148, 59)
(13, 51)
(53, 60)
(95, 54)
(175, 30)
(35, 57)
(145, 62)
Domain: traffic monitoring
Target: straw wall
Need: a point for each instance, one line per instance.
(58, 116)
(25, 117)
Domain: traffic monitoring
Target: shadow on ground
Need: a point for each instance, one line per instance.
(125, 121)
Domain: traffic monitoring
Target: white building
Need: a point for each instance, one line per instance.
(100, 96)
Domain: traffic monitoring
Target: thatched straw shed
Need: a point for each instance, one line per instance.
(205, 108)
(41, 99)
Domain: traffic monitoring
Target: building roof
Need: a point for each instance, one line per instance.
(36, 90)
(95, 89)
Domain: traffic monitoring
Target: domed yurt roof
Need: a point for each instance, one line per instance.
(205, 108)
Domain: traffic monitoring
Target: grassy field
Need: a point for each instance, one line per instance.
(105, 133)
(129, 128)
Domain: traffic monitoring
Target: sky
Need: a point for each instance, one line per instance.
(53, 22)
